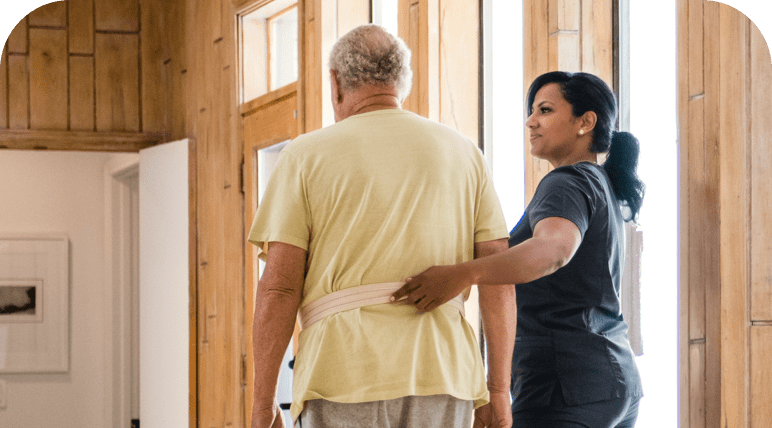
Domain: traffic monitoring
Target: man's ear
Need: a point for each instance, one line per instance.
(337, 96)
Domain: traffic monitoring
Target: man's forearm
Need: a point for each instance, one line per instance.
(274, 322)
(276, 303)
(498, 309)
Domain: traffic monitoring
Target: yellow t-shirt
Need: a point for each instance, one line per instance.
(376, 198)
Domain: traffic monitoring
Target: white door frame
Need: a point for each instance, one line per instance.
(121, 306)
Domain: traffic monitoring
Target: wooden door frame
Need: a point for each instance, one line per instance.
(246, 110)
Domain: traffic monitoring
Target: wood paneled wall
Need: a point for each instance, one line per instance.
(212, 121)
(725, 286)
(565, 35)
(91, 75)
(444, 37)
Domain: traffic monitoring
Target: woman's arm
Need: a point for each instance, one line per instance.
(554, 242)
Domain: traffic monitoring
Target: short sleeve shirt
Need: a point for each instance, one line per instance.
(376, 198)
(570, 329)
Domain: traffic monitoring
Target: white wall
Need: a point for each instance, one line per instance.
(63, 192)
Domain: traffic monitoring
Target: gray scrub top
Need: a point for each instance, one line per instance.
(570, 329)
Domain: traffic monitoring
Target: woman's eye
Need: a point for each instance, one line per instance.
(545, 110)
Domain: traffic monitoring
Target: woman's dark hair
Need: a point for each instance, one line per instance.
(587, 92)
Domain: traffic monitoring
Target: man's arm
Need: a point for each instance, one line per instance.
(498, 308)
(276, 304)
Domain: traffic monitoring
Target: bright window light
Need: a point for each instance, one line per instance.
(268, 48)
(504, 113)
(653, 121)
(284, 48)
(385, 13)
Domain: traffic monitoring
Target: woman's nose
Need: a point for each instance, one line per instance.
(530, 122)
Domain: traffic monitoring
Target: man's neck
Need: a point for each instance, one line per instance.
(368, 99)
(375, 102)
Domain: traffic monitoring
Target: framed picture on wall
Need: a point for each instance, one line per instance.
(34, 304)
(21, 300)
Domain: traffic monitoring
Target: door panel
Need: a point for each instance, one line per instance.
(164, 313)
(265, 129)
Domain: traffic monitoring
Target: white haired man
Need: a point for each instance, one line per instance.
(352, 210)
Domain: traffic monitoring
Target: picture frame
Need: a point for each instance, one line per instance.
(34, 304)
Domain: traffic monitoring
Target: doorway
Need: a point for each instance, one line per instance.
(268, 75)
(122, 273)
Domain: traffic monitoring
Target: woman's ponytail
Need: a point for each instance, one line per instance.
(621, 167)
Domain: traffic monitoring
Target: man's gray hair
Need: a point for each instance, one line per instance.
(370, 55)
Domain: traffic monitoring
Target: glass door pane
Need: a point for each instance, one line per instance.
(284, 48)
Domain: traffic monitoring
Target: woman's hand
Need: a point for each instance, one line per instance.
(434, 286)
(496, 414)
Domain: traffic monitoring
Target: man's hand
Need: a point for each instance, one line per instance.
(496, 414)
(434, 287)
(267, 416)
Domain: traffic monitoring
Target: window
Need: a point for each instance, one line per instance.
(283, 47)
(648, 110)
(385, 13)
(268, 48)
(504, 123)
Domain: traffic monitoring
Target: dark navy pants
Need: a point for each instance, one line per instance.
(616, 413)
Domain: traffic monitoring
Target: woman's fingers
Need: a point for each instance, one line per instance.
(410, 285)
(402, 292)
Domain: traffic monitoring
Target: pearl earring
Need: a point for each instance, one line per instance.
(581, 132)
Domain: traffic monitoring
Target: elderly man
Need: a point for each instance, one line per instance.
(352, 210)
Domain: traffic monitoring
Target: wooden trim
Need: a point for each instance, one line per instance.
(264, 101)
(734, 146)
(282, 12)
(761, 170)
(268, 45)
(243, 7)
(684, 366)
(301, 67)
(481, 101)
(77, 140)
(193, 284)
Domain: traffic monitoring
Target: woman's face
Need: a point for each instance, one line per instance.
(552, 126)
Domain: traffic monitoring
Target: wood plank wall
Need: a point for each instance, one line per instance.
(211, 119)
(418, 26)
(96, 66)
(725, 284)
(564, 35)
(443, 36)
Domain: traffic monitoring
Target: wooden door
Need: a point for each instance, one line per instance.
(268, 121)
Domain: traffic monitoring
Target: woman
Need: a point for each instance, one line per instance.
(572, 363)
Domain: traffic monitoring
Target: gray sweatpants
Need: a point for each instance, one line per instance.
(430, 411)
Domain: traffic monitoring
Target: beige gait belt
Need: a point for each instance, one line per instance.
(357, 297)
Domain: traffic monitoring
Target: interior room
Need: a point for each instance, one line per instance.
(137, 138)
